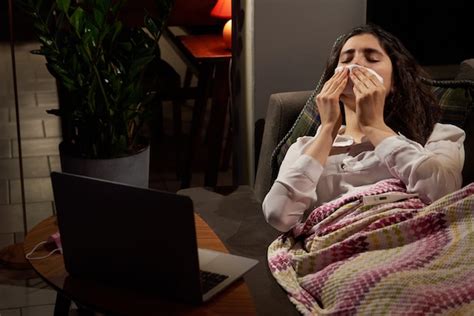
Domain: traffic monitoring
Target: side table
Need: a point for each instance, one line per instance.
(208, 58)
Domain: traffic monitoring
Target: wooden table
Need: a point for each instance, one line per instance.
(207, 57)
(235, 300)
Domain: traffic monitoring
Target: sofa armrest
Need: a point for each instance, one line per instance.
(283, 109)
(466, 70)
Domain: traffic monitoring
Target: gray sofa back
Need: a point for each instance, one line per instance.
(283, 109)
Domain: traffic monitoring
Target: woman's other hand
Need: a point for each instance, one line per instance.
(370, 96)
(327, 101)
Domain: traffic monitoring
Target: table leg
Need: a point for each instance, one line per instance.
(217, 123)
(177, 132)
(204, 79)
(62, 306)
(187, 78)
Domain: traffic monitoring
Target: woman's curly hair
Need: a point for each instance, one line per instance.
(410, 108)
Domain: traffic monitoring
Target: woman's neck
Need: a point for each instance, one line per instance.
(352, 127)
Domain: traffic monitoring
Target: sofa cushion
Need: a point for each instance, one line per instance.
(456, 98)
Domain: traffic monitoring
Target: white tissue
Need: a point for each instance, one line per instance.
(348, 89)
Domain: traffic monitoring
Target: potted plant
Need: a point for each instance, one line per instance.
(100, 66)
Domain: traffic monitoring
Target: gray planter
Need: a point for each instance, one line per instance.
(133, 170)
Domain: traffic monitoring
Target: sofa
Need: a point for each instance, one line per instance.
(237, 217)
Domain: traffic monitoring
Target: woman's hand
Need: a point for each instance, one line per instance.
(327, 101)
(370, 96)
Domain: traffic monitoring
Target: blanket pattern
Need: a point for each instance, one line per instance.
(403, 257)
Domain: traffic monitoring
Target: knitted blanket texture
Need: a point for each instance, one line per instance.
(403, 257)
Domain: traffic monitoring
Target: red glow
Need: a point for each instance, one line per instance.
(222, 9)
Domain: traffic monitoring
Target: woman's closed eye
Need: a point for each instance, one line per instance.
(372, 59)
(368, 59)
(369, 55)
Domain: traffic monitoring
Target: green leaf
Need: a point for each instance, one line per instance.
(61, 75)
(46, 41)
(140, 63)
(117, 6)
(103, 5)
(125, 46)
(99, 17)
(77, 20)
(90, 39)
(151, 26)
(40, 27)
(117, 29)
(36, 52)
(63, 5)
(86, 53)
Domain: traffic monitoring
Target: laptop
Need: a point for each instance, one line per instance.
(145, 239)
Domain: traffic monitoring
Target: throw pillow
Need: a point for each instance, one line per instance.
(456, 99)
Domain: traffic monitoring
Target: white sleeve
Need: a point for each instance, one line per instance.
(431, 171)
(294, 190)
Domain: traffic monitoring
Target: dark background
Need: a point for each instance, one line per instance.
(435, 34)
(22, 25)
(185, 13)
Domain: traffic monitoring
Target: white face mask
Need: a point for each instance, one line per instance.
(348, 89)
(55, 239)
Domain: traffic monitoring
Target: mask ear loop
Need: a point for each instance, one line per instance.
(28, 255)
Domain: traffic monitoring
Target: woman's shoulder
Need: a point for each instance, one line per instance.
(447, 132)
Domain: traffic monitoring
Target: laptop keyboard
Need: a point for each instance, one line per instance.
(210, 279)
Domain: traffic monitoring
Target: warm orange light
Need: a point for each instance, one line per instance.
(227, 34)
(223, 9)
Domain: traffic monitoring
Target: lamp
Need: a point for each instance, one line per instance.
(223, 9)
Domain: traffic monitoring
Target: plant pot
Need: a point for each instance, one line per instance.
(133, 169)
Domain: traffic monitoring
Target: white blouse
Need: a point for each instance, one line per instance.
(303, 183)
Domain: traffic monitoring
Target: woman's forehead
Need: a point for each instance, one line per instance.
(362, 41)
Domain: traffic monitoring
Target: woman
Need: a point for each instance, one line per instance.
(385, 129)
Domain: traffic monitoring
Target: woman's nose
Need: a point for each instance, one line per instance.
(359, 60)
(358, 63)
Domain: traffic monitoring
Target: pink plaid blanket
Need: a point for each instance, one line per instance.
(394, 258)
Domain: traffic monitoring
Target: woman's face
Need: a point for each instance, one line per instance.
(365, 50)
